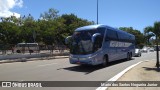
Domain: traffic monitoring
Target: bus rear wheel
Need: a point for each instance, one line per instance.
(129, 56)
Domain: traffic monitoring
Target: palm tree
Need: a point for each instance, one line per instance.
(148, 34)
(156, 31)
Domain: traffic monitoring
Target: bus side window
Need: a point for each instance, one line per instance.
(123, 37)
(111, 35)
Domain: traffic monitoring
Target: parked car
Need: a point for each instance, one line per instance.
(26, 47)
(138, 52)
(155, 47)
(144, 49)
(151, 49)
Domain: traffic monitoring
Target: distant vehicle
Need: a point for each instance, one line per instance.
(26, 47)
(155, 47)
(151, 49)
(145, 49)
(138, 52)
(100, 44)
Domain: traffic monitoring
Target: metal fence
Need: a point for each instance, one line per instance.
(56, 49)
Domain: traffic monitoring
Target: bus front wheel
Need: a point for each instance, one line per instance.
(18, 51)
(105, 61)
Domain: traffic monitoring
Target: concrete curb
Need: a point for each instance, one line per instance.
(116, 77)
(34, 55)
(31, 59)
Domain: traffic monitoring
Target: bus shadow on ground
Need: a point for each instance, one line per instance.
(87, 69)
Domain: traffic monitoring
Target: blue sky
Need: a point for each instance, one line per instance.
(116, 13)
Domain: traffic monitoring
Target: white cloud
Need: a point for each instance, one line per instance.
(7, 5)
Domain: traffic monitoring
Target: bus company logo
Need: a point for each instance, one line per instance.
(6, 84)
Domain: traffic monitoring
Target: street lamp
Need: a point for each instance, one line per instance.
(97, 11)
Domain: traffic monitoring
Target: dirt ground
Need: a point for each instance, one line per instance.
(146, 71)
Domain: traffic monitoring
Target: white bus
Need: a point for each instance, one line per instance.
(26, 47)
(100, 44)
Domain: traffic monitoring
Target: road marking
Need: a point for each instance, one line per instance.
(47, 64)
(116, 77)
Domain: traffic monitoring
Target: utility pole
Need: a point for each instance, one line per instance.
(97, 11)
(34, 36)
(157, 63)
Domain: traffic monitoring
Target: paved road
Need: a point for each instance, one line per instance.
(62, 70)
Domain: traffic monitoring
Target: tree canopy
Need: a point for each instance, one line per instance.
(52, 29)
(154, 30)
(49, 29)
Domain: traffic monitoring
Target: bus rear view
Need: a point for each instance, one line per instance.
(92, 45)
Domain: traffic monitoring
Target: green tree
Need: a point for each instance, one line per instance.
(50, 14)
(49, 29)
(9, 31)
(28, 29)
(55, 29)
(156, 31)
(72, 22)
(153, 30)
(47, 24)
(148, 34)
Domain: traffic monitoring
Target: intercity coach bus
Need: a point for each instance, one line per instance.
(100, 44)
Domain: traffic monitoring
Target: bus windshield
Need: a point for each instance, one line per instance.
(82, 43)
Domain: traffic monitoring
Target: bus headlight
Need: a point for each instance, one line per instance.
(86, 58)
(91, 57)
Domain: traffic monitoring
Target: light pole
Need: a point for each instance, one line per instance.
(157, 63)
(157, 48)
(97, 11)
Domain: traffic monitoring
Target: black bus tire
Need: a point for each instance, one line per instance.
(18, 51)
(105, 61)
(128, 57)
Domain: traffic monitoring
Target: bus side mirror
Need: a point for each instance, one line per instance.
(97, 41)
(95, 36)
(68, 40)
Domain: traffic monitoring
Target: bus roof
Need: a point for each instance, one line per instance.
(88, 27)
(92, 27)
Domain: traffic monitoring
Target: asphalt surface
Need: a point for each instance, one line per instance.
(62, 70)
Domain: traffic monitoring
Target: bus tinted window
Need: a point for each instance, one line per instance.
(124, 37)
(112, 35)
(101, 31)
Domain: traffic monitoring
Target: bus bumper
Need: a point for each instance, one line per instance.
(89, 60)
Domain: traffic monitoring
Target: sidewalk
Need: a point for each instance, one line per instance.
(145, 71)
